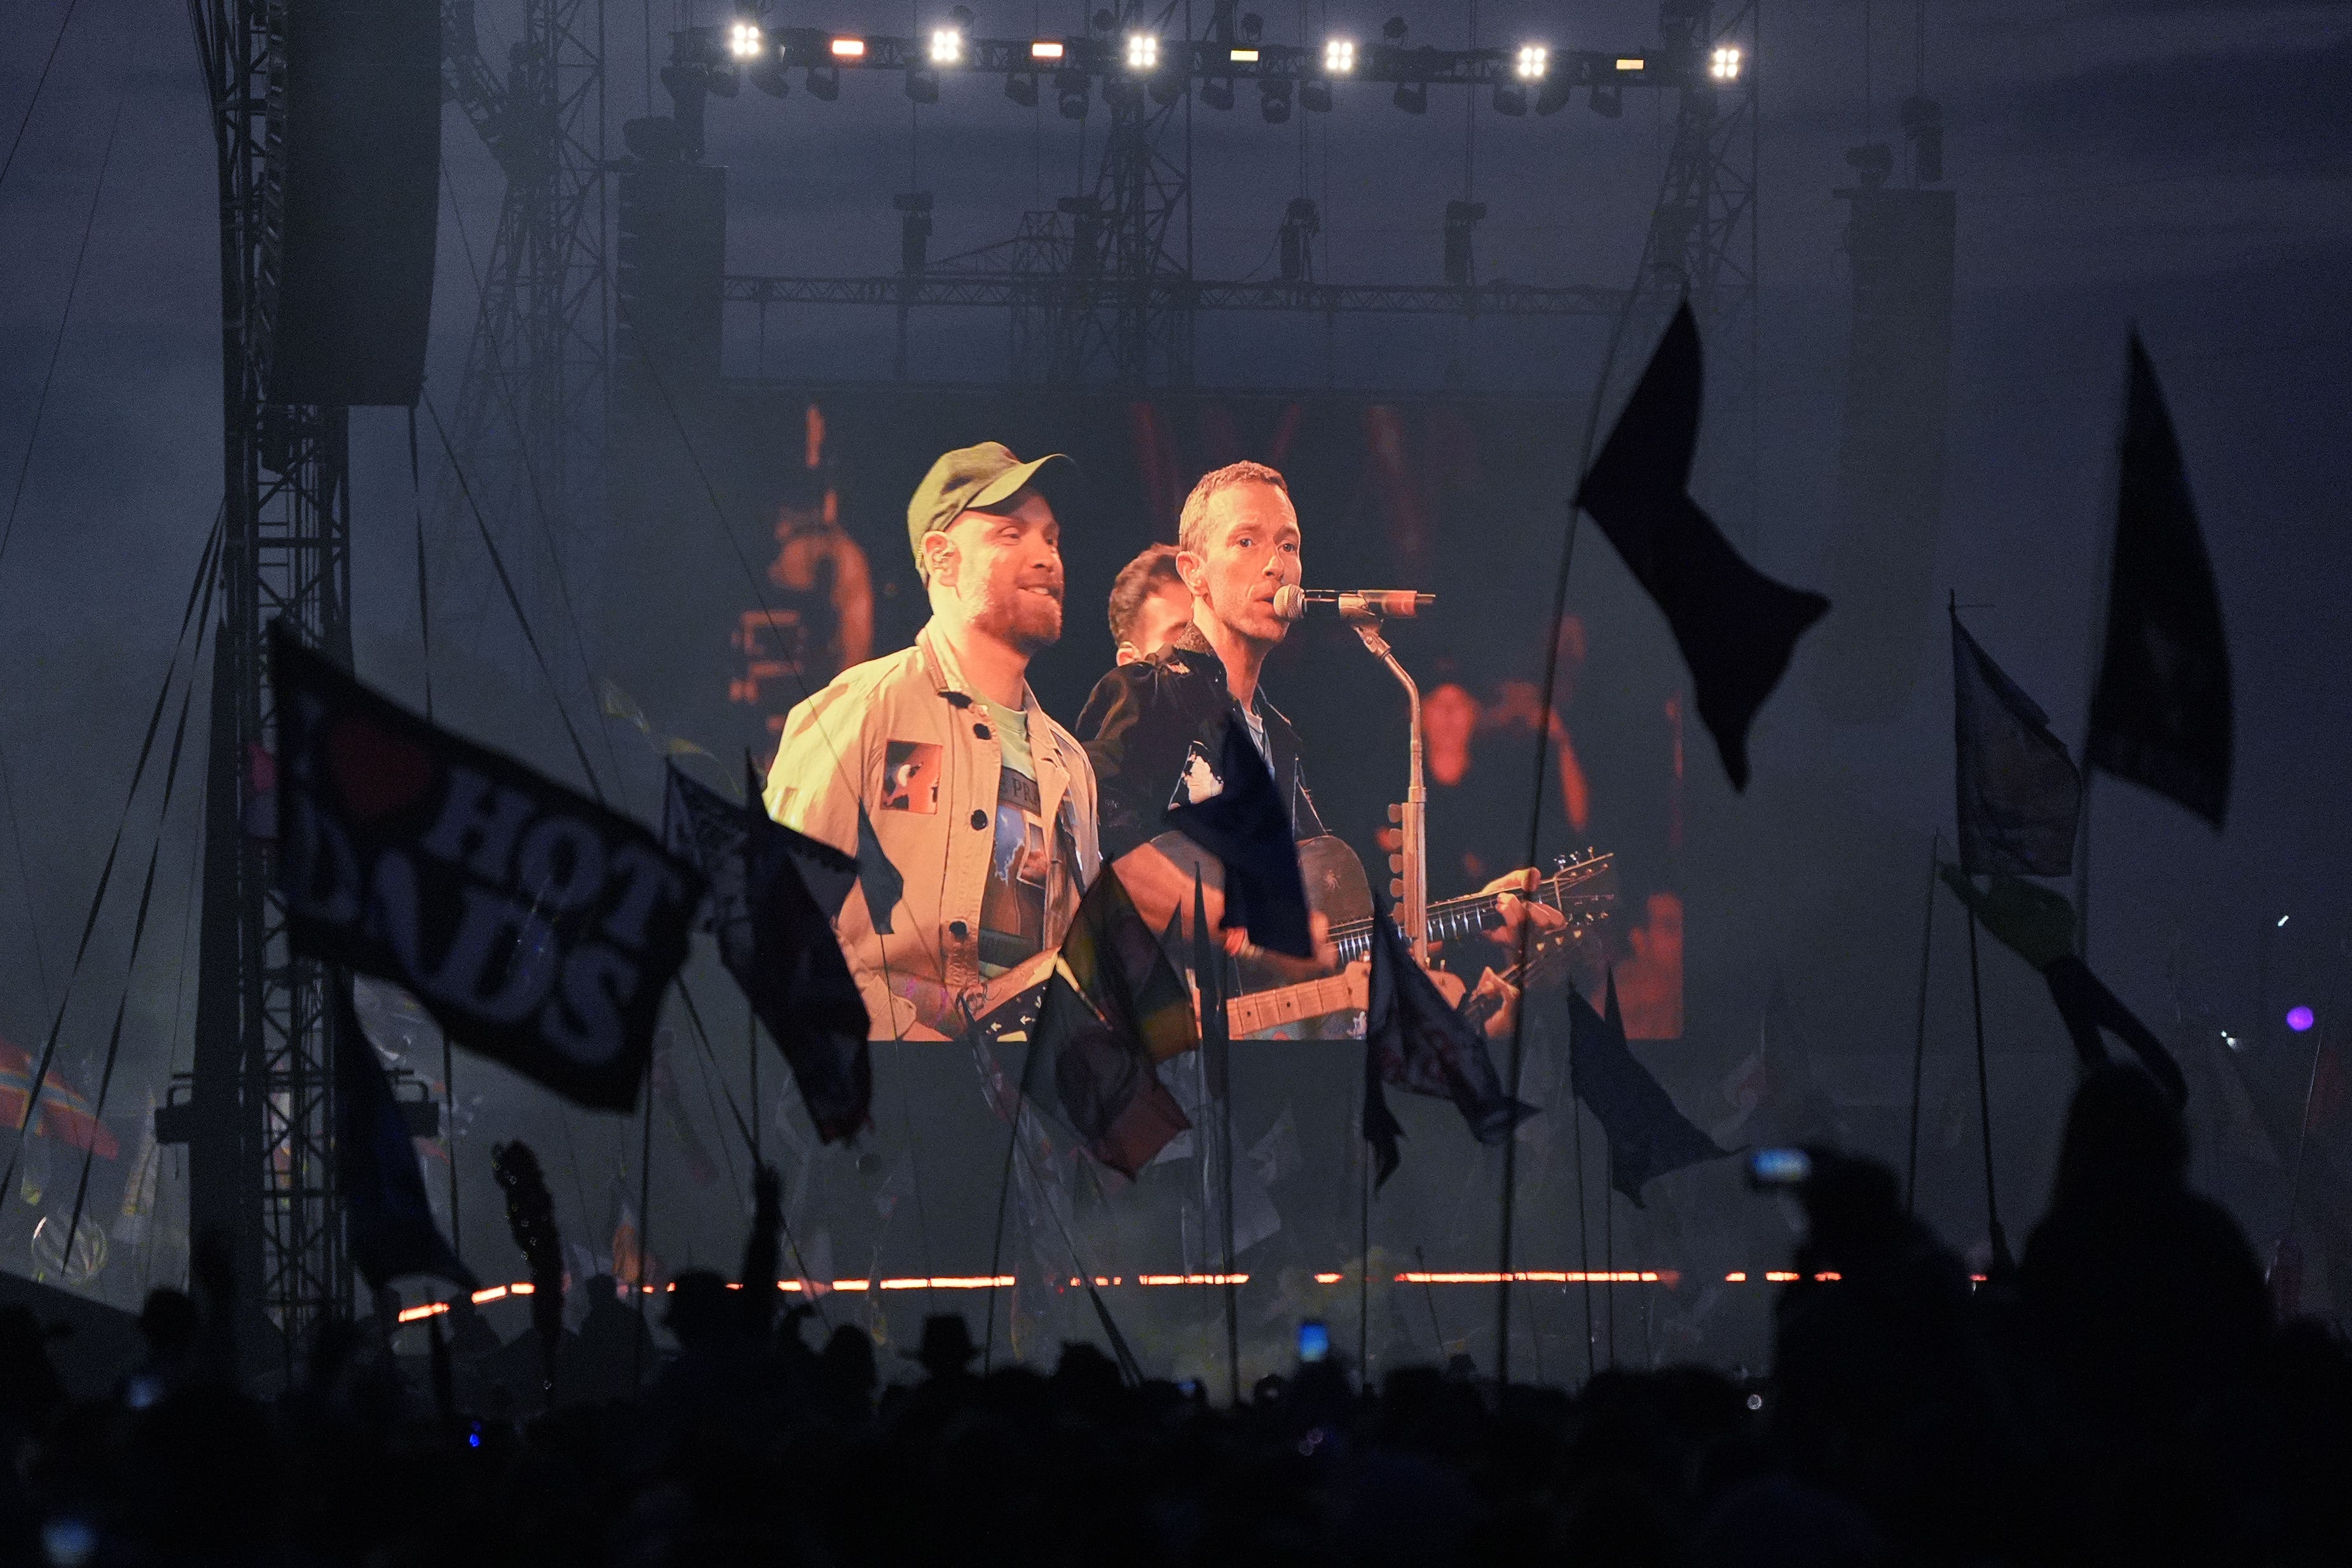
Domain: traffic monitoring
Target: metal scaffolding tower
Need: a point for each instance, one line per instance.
(529, 428)
(261, 1113)
(1102, 286)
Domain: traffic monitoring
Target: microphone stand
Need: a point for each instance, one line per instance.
(1413, 817)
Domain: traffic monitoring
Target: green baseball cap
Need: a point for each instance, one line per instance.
(978, 476)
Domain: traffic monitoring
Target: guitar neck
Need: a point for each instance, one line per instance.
(1261, 1011)
(1458, 917)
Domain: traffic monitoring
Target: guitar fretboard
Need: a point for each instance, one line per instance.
(1263, 1010)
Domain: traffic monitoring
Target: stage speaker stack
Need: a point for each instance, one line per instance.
(355, 170)
(1882, 552)
(672, 257)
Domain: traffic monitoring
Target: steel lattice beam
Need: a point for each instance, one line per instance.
(262, 1172)
(529, 427)
(1027, 291)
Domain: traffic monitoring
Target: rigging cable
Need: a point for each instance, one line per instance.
(38, 83)
(201, 587)
(40, 404)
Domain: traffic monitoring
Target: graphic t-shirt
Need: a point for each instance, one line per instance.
(1013, 910)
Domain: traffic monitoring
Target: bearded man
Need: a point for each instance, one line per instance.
(970, 812)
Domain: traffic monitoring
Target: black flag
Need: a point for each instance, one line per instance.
(1243, 824)
(1113, 1008)
(1417, 1042)
(387, 1221)
(2037, 923)
(774, 938)
(1648, 1135)
(2018, 793)
(537, 927)
(2160, 714)
(1736, 628)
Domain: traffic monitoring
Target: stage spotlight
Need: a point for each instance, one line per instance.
(1552, 97)
(947, 46)
(1628, 64)
(768, 75)
(824, 83)
(1217, 92)
(1609, 102)
(1072, 89)
(1511, 99)
(1723, 64)
(922, 85)
(725, 80)
(1242, 56)
(849, 49)
(1045, 49)
(1142, 52)
(2300, 1019)
(1273, 100)
(744, 41)
(1533, 61)
(1315, 96)
(1394, 29)
(1253, 27)
(1412, 97)
(1339, 55)
(1022, 90)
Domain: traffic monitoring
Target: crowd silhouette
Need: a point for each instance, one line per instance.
(2125, 1394)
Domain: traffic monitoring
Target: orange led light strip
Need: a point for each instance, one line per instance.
(1667, 1277)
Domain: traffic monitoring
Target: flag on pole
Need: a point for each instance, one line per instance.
(1414, 1041)
(1648, 1135)
(1113, 1008)
(1235, 812)
(1736, 628)
(2037, 923)
(2161, 715)
(387, 1220)
(775, 938)
(2019, 794)
(537, 927)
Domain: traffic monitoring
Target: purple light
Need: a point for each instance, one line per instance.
(2298, 1018)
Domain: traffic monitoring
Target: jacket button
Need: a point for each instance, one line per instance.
(979, 819)
(958, 930)
(981, 730)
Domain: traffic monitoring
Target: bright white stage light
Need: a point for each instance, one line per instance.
(1339, 55)
(1723, 65)
(848, 49)
(1533, 61)
(1045, 49)
(743, 40)
(947, 46)
(1142, 52)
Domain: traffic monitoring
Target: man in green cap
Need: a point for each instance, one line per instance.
(971, 812)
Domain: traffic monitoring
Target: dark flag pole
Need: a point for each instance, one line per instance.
(1919, 1027)
(1208, 973)
(2001, 1262)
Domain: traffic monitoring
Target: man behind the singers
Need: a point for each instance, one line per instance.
(984, 805)
(1157, 727)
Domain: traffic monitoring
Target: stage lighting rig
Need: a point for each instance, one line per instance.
(745, 41)
(1142, 53)
(1533, 61)
(1338, 57)
(1723, 64)
(848, 49)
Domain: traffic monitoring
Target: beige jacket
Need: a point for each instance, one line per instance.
(900, 736)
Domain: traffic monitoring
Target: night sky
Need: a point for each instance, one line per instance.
(2183, 164)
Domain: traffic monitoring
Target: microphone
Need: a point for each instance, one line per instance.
(1292, 602)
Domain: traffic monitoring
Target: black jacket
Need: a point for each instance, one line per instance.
(1144, 720)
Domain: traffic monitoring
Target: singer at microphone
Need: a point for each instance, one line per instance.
(1292, 602)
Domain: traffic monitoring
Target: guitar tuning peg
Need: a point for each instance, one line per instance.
(1559, 862)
